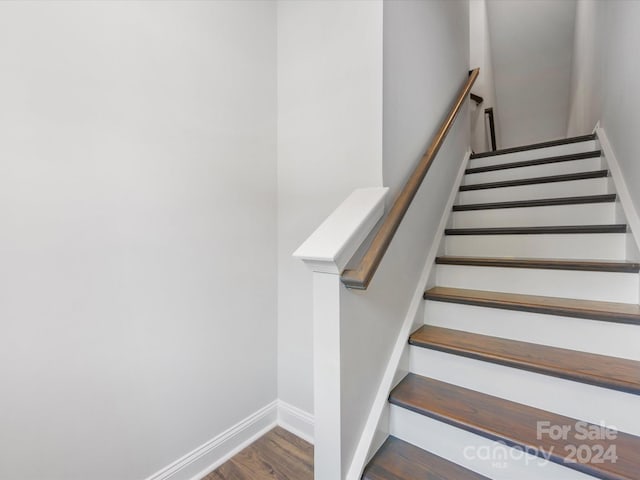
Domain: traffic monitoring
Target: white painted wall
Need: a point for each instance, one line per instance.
(480, 56)
(422, 65)
(329, 143)
(532, 45)
(586, 77)
(604, 72)
(620, 102)
(138, 246)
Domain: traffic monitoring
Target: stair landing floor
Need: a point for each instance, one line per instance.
(278, 455)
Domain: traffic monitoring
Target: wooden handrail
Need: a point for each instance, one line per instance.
(492, 127)
(476, 98)
(360, 276)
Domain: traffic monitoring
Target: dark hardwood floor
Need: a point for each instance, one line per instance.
(277, 455)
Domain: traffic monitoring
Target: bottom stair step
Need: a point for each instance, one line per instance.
(399, 460)
(524, 427)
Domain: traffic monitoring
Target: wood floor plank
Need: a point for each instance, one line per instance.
(600, 370)
(278, 455)
(516, 425)
(399, 460)
(568, 307)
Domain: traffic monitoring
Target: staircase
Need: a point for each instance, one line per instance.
(528, 364)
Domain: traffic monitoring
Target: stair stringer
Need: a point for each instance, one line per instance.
(376, 428)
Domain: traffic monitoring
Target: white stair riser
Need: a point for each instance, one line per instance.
(603, 246)
(564, 397)
(573, 188)
(604, 338)
(600, 286)
(568, 149)
(484, 456)
(581, 214)
(560, 168)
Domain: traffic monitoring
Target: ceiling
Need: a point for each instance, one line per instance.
(532, 47)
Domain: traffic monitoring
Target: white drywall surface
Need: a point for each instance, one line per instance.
(138, 245)
(532, 45)
(329, 143)
(480, 57)
(605, 67)
(422, 72)
(584, 109)
(620, 115)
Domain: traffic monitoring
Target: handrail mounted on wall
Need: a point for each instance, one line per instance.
(360, 276)
(492, 127)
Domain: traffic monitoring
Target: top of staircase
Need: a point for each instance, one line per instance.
(533, 146)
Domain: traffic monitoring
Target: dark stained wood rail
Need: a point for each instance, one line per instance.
(492, 127)
(476, 98)
(360, 276)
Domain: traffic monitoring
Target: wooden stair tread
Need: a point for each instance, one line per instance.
(542, 263)
(537, 161)
(513, 423)
(567, 177)
(399, 460)
(568, 307)
(600, 370)
(543, 202)
(559, 229)
(534, 146)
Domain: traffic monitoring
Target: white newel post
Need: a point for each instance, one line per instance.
(326, 252)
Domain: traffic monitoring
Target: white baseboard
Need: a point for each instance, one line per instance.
(296, 421)
(366, 443)
(210, 455)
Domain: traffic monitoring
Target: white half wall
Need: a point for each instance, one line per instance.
(329, 143)
(426, 58)
(138, 246)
